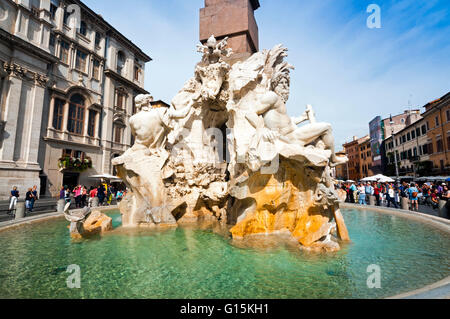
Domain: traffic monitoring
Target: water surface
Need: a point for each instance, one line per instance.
(189, 263)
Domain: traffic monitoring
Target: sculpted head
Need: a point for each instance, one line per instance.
(143, 102)
(280, 85)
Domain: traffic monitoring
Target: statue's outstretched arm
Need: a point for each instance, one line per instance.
(297, 120)
(180, 114)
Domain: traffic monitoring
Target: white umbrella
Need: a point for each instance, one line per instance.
(106, 176)
(369, 179)
(386, 180)
(350, 181)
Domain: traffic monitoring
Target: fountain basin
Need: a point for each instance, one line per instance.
(195, 263)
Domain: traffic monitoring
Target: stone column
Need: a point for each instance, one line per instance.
(51, 112)
(443, 213)
(11, 117)
(60, 206)
(405, 203)
(20, 209)
(65, 119)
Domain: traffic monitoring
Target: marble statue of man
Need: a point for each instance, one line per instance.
(272, 107)
(151, 124)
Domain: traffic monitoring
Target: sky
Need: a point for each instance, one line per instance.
(348, 72)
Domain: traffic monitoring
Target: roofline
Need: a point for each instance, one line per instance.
(110, 28)
(406, 128)
(439, 102)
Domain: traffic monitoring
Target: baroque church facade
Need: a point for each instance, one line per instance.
(67, 85)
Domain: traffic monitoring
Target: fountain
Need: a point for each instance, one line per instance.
(226, 151)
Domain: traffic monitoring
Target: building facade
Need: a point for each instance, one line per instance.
(437, 121)
(411, 149)
(381, 129)
(365, 151)
(68, 84)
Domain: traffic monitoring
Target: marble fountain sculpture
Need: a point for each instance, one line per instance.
(226, 151)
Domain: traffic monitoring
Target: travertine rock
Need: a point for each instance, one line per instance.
(226, 151)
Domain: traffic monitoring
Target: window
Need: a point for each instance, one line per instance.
(53, 9)
(430, 148)
(98, 38)
(404, 139)
(436, 121)
(76, 114)
(120, 62)
(136, 73)
(413, 134)
(428, 126)
(64, 55)
(80, 63)
(408, 136)
(439, 145)
(424, 130)
(52, 40)
(121, 99)
(118, 133)
(58, 114)
(448, 143)
(415, 151)
(96, 69)
(91, 123)
(409, 154)
(83, 28)
(66, 17)
(418, 132)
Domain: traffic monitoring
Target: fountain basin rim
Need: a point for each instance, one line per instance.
(440, 289)
(45, 217)
(437, 290)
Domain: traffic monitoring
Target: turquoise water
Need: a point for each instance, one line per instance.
(186, 263)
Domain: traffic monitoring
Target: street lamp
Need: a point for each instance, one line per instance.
(393, 143)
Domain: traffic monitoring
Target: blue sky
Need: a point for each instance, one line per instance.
(348, 72)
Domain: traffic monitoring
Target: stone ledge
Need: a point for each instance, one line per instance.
(44, 217)
(438, 290)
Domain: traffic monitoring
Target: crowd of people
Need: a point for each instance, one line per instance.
(81, 195)
(390, 194)
(84, 197)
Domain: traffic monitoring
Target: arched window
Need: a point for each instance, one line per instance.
(118, 131)
(120, 62)
(76, 114)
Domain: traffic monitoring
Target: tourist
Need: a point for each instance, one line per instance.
(352, 192)
(83, 196)
(34, 197)
(28, 197)
(397, 195)
(435, 198)
(119, 196)
(376, 193)
(62, 193)
(67, 195)
(101, 193)
(413, 197)
(369, 192)
(108, 195)
(362, 194)
(77, 195)
(390, 196)
(92, 195)
(13, 199)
